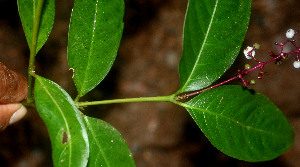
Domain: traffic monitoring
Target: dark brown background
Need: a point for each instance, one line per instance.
(158, 134)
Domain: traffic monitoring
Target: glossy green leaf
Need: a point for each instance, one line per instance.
(70, 146)
(107, 146)
(241, 123)
(27, 10)
(95, 32)
(213, 34)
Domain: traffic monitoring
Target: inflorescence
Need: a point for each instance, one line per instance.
(249, 54)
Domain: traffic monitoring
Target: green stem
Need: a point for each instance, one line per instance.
(35, 32)
(76, 99)
(169, 98)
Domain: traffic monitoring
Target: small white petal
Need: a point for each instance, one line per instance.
(248, 49)
(290, 33)
(296, 64)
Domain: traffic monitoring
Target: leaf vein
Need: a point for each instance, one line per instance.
(203, 44)
(90, 51)
(63, 116)
(234, 121)
(96, 141)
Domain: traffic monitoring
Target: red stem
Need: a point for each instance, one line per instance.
(260, 65)
(239, 76)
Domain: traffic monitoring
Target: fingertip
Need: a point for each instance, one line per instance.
(19, 114)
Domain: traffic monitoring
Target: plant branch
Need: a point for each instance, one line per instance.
(169, 98)
(35, 32)
(250, 55)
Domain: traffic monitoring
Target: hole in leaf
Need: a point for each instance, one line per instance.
(65, 138)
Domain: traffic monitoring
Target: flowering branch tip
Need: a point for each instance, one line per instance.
(249, 53)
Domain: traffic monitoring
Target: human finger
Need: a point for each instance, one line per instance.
(11, 113)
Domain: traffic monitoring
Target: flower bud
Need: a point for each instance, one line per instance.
(248, 49)
(247, 66)
(252, 82)
(279, 62)
(290, 33)
(296, 64)
(256, 45)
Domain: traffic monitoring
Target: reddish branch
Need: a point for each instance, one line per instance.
(260, 65)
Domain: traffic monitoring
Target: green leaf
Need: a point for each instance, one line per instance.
(241, 123)
(213, 34)
(70, 146)
(107, 146)
(27, 10)
(95, 32)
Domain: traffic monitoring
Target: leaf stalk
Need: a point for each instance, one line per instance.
(169, 98)
(34, 39)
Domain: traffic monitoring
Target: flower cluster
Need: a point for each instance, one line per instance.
(249, 53)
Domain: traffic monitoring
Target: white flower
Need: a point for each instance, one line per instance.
(296, 64)
(248, 49)
(290, 33)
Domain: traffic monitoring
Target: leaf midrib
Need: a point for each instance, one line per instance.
(234, 121)
(90, 51)
(202, 47)
(63, 116)
(96, 141)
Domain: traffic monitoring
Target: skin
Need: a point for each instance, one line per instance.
(11, 113)
(13, 89)
(13, 85)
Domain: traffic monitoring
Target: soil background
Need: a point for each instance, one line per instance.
(159, 134)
